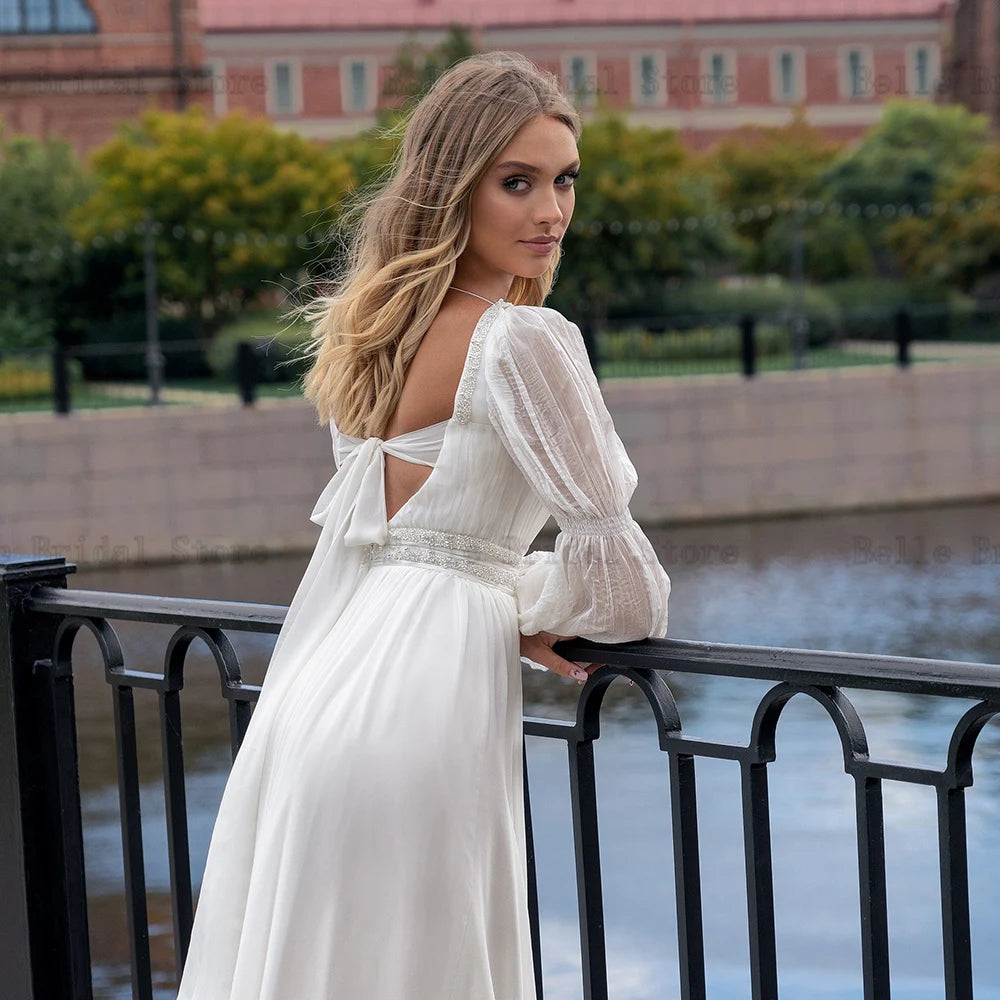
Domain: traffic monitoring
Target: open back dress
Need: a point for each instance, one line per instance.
(370, 840)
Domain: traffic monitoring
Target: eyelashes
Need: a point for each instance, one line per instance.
(572, 174)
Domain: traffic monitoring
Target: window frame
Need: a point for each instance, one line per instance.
(21, 27)
(660, 95)
(729, 70)
(798, 54)
(371, 77)
(844, 67)
(589, 97)
(294, 84)
(933, 51)
(220, 94)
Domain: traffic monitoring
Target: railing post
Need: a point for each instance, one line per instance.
(589, 332)
(903, 336)
(60, 379)
(748, 346)
(44, 949)
(246, 371)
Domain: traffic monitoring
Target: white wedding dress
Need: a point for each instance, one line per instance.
(370, 841)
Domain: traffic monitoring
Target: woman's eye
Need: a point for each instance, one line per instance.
(514, 180)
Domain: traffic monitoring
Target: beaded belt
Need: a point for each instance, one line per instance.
(479, 557)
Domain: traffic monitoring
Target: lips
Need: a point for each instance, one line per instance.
(543, 241)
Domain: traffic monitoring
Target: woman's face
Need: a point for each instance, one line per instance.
(527, 193)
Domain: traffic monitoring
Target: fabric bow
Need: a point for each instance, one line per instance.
(355, 496)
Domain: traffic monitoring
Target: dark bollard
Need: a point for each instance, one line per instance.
(590, 342)
(903, 336)
(246, 372)
(60, 379)
(748, 346)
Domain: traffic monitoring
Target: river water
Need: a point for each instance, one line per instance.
(908, 583)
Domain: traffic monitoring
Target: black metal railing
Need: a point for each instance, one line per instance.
(45, 949)
(64, 379)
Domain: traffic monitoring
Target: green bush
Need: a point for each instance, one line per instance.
(130, 329)
(23, 329)
(868, 309)
(31, 378)
(277, 348)
(701, 343)
(711, 304)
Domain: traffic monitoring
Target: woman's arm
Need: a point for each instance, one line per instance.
(602, 581)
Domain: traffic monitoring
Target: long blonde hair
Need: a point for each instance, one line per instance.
(400, 258)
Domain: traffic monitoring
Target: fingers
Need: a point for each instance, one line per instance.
(541, 652)
(538, 648)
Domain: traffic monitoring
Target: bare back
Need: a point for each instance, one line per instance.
(428, 394)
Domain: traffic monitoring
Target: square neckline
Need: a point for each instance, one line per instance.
(478, 332)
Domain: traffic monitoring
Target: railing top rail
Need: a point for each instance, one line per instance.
(802, 667)
(915, 675)
(238, 615)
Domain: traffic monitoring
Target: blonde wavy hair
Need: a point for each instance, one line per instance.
(401, 255)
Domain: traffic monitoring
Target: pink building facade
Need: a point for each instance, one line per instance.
(321, 68)
(74, 68)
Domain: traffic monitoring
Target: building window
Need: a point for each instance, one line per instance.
(581, 78)
(718, 76)
(220, 86)
(358, 87)
(649, 77)
(357, 83)
(922, 69)
(921, 74)
(45, 16)
(856, 72)
(283, 87)
(787, 68)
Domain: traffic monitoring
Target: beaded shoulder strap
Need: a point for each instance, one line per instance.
(467, 383)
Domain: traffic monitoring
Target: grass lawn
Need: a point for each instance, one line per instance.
(186, 392)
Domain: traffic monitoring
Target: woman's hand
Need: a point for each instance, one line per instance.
(539, 648)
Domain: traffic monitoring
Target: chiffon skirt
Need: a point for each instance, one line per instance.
(370, 840)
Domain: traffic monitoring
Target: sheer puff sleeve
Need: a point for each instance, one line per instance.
(602, 581)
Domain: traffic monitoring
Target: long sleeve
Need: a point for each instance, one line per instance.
(602, 581)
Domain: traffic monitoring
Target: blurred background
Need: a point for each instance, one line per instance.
(818, 165)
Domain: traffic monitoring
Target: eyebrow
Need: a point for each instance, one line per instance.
(528, 168)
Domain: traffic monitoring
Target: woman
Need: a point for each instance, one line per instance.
(370, 841)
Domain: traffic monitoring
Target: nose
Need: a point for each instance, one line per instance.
(548, 210)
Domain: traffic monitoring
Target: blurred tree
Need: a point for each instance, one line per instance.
(417, 67)
(760, 174)
(762, 166)
(621, 243)
(901, 161)
(40, 181)
(235, 202)
(957, 247)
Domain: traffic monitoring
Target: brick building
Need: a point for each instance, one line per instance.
(73, 68)
(703, 69)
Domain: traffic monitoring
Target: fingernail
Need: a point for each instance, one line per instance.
(580, 674)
